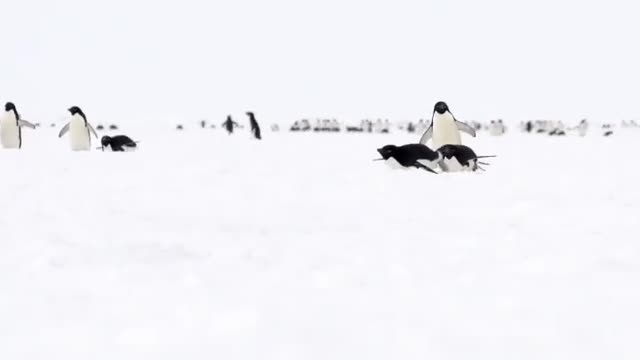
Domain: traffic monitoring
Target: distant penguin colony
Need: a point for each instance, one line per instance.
(439, 148)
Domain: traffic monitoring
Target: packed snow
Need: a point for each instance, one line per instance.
(207, 246)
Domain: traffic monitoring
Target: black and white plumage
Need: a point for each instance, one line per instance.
(80, 130)
(410, 155)
(118, 143)
(444, 128)
(460, 158)
(255, 128)
(230, 125)
(11, 126)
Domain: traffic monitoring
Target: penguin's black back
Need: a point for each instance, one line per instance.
(462, 153)
(118, 142)
(407, 155)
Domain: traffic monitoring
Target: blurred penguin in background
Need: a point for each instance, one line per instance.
(255, 128)
(229, 125)
(497, 128)
(583, 127)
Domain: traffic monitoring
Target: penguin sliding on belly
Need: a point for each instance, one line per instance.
(411, 155)
(11, 127)
(118, 143)
(80, 130)
(448, 157)
(460, 158)
(444, 128)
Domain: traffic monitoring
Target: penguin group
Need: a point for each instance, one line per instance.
(79, 129)
(444, 133)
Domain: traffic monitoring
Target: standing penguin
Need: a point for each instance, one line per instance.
(80, 130)
(11, 127)
(444, 128)
(255, 128)
(229, 125)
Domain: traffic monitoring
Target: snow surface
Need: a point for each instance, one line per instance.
(205, 246)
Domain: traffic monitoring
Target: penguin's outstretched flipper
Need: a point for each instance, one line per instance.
(466, 128)
(427, 135)
(421, 166)
(25, 123)
(92, 130)
(64, 130)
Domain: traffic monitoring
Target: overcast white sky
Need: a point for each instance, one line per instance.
(144, 60)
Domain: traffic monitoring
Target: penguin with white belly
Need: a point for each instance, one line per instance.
(80, 130)
(11, 127)
(444, 128)
(460, 158)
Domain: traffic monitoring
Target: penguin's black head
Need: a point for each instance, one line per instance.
(447, 151)
(441, 107)
(105, 141)
(75, 110)
(250, 114)
(9, 107)
(387, 151)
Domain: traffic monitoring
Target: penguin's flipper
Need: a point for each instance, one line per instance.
(64, 130)
(25, 123)
(427, 135)
(466, 128)
(421, 166)
(92, 130)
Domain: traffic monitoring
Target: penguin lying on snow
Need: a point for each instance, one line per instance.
(460, 157)
(411, 155)
(118, 143)
(448, 157)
